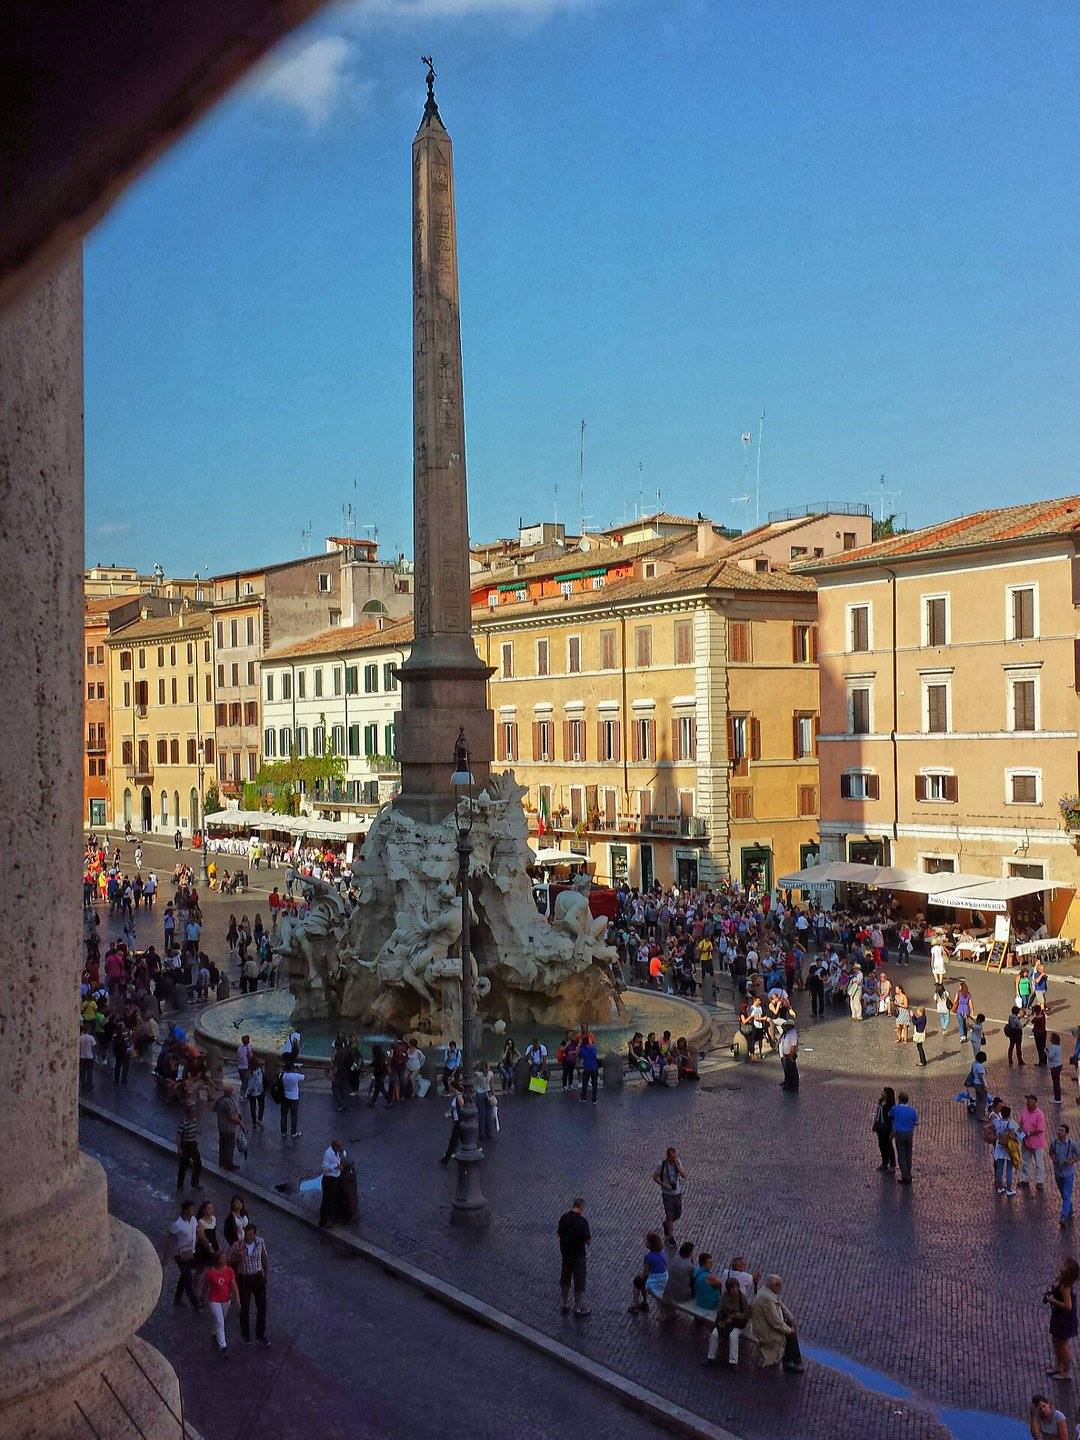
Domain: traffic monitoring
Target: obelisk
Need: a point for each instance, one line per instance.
(444, 681)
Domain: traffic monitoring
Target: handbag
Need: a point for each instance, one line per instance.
(538, 1085)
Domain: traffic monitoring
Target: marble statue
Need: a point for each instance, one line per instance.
(395, 961)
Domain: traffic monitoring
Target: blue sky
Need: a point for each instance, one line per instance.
(671, 214)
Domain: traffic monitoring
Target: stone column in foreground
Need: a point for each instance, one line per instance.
(75, 1285)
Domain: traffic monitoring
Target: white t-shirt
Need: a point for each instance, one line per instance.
(745, 1279)
(243, 1057)
(184, 1233)
(87, 1046)
(331, 1162)
(788, 1041)
(290, 1084)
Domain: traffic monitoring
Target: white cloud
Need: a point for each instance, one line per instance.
(309, 78)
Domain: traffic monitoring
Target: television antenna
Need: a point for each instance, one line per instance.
(305, 536)
(882, 495)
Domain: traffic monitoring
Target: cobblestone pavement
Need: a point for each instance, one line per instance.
(354, 1352)
(936, 1286)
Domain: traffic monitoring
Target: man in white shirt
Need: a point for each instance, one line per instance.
(291, 1080)
(244, 1055)
(87, 1051)
(536, 1055)
(737, 1270)
(182, 1234)
(331, 1180)
(789, 1058)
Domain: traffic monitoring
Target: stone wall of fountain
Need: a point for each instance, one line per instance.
(395, 962)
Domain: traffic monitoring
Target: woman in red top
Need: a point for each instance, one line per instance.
(221, 1290)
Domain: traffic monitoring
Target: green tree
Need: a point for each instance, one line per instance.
(277, 785)
(885, 529)
(212, 799)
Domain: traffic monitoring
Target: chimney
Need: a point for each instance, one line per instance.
(707, 538)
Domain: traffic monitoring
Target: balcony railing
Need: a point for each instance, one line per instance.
(97, 748)
(672, 827)
(141, 774)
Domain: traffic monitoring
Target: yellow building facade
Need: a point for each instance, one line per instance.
(161, 716)
(665, 726)
(950, 673)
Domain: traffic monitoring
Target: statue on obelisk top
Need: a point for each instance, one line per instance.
(444, 681)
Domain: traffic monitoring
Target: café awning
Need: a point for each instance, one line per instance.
(961, 891)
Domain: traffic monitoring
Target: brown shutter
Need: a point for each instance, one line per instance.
(651, 727)
(536, 739)
(755, 738)
(616, 731)
(1076, 664)
(592, 805)
(814, 727)
(952, 791)
(873, 787)
(813, 644)
(795, 647)
(845, 787)
(566, 739)
(795, 737)
(584, 730)
(513, 741)
(635, 741)
(920, 787)
(675, 738)
(693, 740)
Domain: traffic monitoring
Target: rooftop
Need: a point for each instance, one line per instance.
(344, 639)
(164, 627)
(1036, 520)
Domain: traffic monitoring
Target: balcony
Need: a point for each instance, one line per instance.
(96, 748)
(141, 774)
(654, 827)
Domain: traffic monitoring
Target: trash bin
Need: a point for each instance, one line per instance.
(613, 1067)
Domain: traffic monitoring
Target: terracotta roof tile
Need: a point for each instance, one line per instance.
(347, 638)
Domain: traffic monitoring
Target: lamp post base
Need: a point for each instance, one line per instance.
(470, 1208)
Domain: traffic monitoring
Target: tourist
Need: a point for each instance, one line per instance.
(380, 1076)
(855, 993)
(1038, 1032)
(904, 1118)
(1007, 1139)
(815, 986)
(978, 1083)
(963, 1008)
(1064, 1153)
(574, 1239)
(567, 1056)
(235, 1220)
(1063, 1324)
(671, 1177)
(1053, 1060)
(732, 1321)
(454, 1116)
(289, 1082)
(1024, 989)
(537, 1057)
(680, 1285)
(654, 1274)
(589, 1060)
(207, 1243)
(943, 1006)
(1045, 1421)
(220, 1279)
(256, 1092)
(937, 961)
(773, 1326)
(918, 1032)
(903, 1015)
(187, 1150)
(451, 1066)
(331, 1181)
(230, 1125)
(183, 1230)
(788, 1047)
(121, 1048)
(414, 1065)
(1033, 1150)
(508, 1065)
(87, 1053)
(883, 1128)
(708, 1288)
(976, 1031)
(340, 1069)
(1014, 1033)
(251, 1264)
(483, 1080)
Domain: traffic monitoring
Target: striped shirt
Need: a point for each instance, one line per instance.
(249, 1257)
(189, 1132)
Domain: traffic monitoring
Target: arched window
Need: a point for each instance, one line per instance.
(164, 810)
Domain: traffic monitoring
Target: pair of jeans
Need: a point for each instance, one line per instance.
(484, 1124)
(257, 1107)
(1004, 1173)
(86, 1074)
(226, 1144)
(1065, 1184)
(252, 1287)
(120, 1068)
(1015, 1043)
(903, 1141)
(290, 1109)
(1055, 1076)
(885, 1146)
(791, 1073)
(732, 1334)
(588, 1077)
(962, 1025)
(185, 1264)
(568, 1074)
(573, 1270)
(189, 1156)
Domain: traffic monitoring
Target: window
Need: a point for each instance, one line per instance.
(142, 659)
(543, 740)
(126, 752)
(161, 692)
(192, 751)
(684, 737)
(807, 800)
(804, 736)
(859, 710)
(371, 679)
(684, 642)
(858, 628)
(1022, 787)
(250, 625)
(207, 695)
(172, 654)
(352, 680)
(89, 692)
(609, 740)
(936, 707)
(269, 743)
(142, 693)
(301, 684)
(174, 752)
(643, 646)
(859, 785)
(316, 682)
(507, 659)
(160, 656)
(566, 588)
(221, 635)
(127, 694)
(318, 740)
(251, 712)
(326, 582)
(574, 739)
(208, 750)
(190, 653)
(301, 742)
(935, 620)
(334, 617)
(163, 752)
(643, 733)
(739, 641)
(336, 672)
(798, 551)
(89, 655)
(389, 740)
(936, 785)
(1021, 612)
(285, 742)
(849, 539)
(286, 685)
(493, 599)
(234, 634)
(371, 740)
(738, 743)
(742, 804)
(804, 644)
(1022, 704)
(573, 655)
(235, 713)
(598, 582)
(101, 654)
(221, 714)
(506, 740)
(270, 685)
(337, 739)
(354, 740)
(389, 679)
(251, 672)
(125, 659)
(607, 649)
(252, 765)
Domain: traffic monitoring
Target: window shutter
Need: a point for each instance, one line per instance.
(592, 806)
(616, 731)
(795, 737)
(814, 727)
(675, 738)
(952, 790)
(693, 740)
(813, 644)
(920, 787)
(755, 738)
(1076, 664)
(873, 787)
(566, 739)
(583, 732)
(796, 646)
(513, 742)
(650, 730)
(635, 740)
(536, 739)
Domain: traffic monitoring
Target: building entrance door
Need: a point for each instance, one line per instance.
(97, 814)
(757, 867)
(687, 871)
(867, 852)
(645, 858)
(147, 810)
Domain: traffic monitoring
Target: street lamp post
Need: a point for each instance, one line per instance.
(470, 1206)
